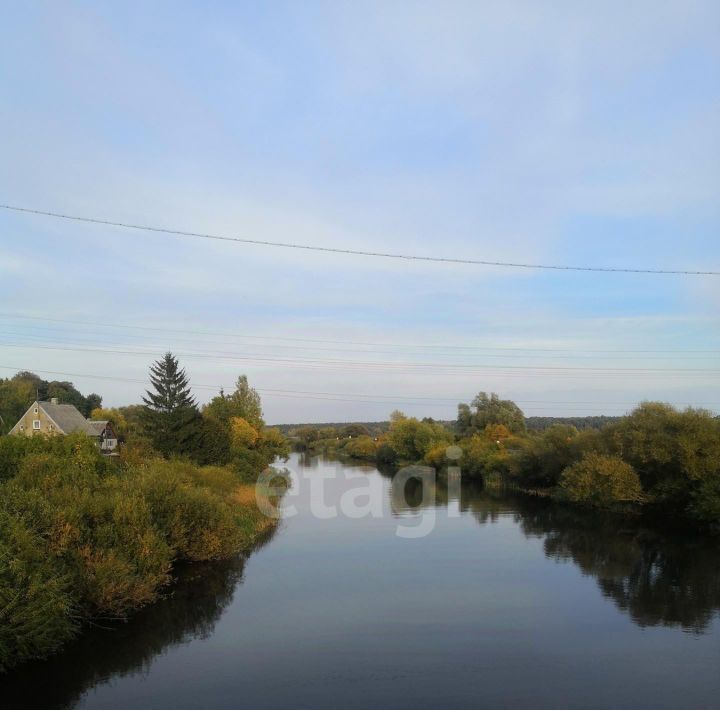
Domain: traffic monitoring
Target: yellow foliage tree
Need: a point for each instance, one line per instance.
(242, 433)
(497, 432)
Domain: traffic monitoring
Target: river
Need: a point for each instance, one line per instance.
(462, 598)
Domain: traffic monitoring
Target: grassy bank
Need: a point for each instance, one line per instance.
(85, 538)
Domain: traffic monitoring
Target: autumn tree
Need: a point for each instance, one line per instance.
(411, 439)
(244, 402)
(242, 433)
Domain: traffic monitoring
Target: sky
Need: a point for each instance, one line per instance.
(552, 133)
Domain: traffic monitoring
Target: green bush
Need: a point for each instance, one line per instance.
(82, 536)
(36, 605)
(363, 447)
(99, 526)
(386, 455)
(600, 481)
(198, 523)
(14, 450)
(676, 454)
(412, 439)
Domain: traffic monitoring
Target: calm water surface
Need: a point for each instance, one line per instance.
(506, 603)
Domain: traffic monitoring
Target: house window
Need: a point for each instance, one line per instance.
(35, 410)
(36, 424)
(22, 427)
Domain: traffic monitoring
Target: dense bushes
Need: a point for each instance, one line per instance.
(601, 481)
(664, 459)
(676, 454)
(36, 606)
(674, 457)
(362, 447)
(83, 537)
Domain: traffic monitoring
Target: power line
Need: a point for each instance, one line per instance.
(88, 338)
(348, 396)
(388, 366)
(449, 346)
(355, 252)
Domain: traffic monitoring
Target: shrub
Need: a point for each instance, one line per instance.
(544, 457)
(363, 447)
(601, 481)
(385, 455)
(437, 456)
(705, 505)
(412, 439)
(99, 527)
(191, 507)
(36, 606)
(482, 457)
(83, 536)
(676, 454)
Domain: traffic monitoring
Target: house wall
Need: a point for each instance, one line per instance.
(46, 424)
(109, 445)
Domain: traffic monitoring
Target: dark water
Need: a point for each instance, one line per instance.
(508, 602)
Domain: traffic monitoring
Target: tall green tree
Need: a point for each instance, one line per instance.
(244, 402)
(170, 417)
(489, 409)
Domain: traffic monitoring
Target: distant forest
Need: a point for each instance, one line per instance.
(532, 423)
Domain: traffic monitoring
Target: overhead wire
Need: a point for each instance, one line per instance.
(354, 252)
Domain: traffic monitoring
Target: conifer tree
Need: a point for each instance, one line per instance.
(170, 417)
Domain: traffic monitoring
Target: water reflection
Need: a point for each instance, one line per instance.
(656, 580)
(659, 580)
(383, 598)
(189, 611)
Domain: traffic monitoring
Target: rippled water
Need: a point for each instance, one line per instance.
(508, 602)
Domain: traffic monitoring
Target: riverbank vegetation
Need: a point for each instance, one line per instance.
(657, 458)
(86, 538)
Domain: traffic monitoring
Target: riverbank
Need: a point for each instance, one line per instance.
(595, 613)
(657, 459)
(87, 539)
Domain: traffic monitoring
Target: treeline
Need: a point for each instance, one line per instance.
(657, 458)
(368, 427)
(86, 536)
(531, 423)
(580, 423)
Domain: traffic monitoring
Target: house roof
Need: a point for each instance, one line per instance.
(96, 427)
(66, 417)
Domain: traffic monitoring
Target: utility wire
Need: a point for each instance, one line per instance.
(448, 346)
(84, 338)
(348, 396)
(354, 252)
(387, 366)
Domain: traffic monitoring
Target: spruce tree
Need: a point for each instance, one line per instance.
(170, 417)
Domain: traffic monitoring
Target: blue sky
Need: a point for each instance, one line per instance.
(571, 133)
